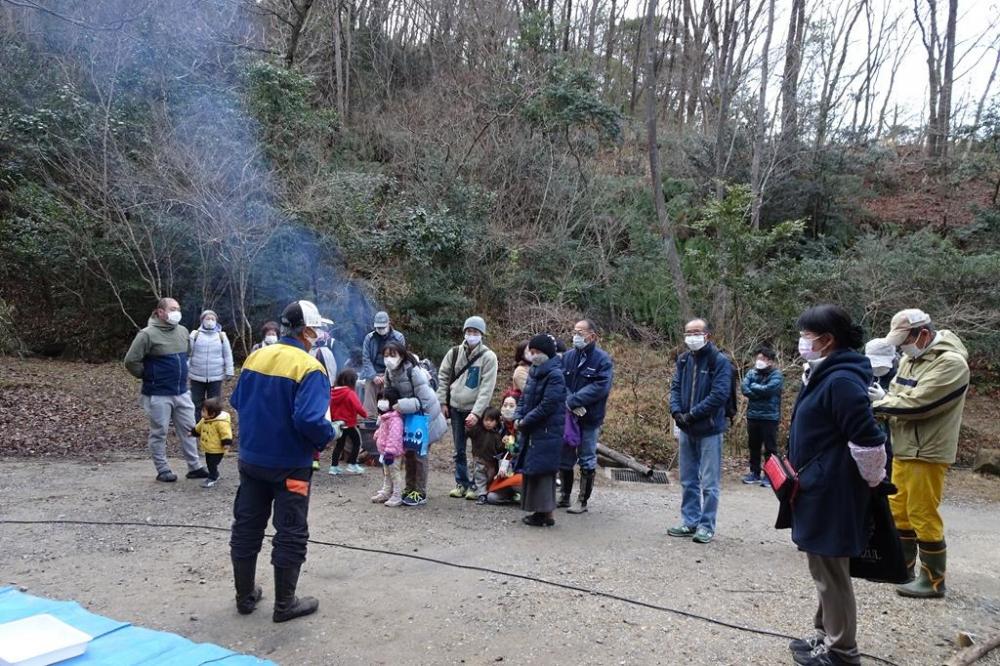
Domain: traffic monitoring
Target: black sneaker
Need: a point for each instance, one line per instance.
(806, 644)
(166, 477)
(481, 499)
(820, 656)
(200, 473)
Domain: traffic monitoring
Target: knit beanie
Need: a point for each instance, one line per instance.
(544, 343)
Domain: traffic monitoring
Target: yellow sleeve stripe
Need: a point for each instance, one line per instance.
(283, 361)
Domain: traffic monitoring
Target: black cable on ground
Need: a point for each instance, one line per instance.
(466, 567)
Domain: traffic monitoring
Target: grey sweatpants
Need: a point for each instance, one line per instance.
(837, 614)
(161, 410)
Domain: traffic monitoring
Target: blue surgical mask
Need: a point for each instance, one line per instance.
(579, 341)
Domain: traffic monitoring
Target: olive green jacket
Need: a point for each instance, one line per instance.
(925, 402)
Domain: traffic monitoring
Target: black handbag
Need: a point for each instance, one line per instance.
(882, 560)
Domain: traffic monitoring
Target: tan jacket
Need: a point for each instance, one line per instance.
(473, 391)
(925, 402)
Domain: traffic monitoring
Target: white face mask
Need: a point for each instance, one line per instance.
(174, 317)
(806, 349)
(270, 339)
(880, 372)
(473, 340)
(527, 356)
(392, 362)
(208, 324)
(381, 330)
(579, 341)
(383, 405)
(761, 364)
(507, 413)
(694, 342)
(311, 339)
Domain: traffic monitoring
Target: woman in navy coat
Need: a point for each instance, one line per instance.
(540, 420)
(839, 452)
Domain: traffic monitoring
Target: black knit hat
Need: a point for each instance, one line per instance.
(544, 343)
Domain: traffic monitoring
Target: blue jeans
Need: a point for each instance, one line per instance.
(701, 463)
(460, 438)
(584, 455)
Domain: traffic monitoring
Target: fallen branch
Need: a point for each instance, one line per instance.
(973, 653)
(627, 461)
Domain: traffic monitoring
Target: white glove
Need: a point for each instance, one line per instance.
(338, 429)
(876, 392)
(580, 411)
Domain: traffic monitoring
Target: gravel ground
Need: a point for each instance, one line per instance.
(379, 609)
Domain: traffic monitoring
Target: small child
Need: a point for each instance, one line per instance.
(509, 493)
(215, 435)
(345, 406)
(487, 442)
(389, 440)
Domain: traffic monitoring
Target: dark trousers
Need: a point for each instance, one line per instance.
(288, 491)
(460, 438)
(758, 433)
(213, 460)
(352, 455)
(202, 390)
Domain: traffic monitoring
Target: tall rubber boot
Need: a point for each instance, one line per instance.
(248, 593)
(908, 539)
(930, 582)
(566, 489)
(586, 487)
(286, 605)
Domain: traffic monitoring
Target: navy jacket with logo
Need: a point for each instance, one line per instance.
(589, 372)
(701, 387)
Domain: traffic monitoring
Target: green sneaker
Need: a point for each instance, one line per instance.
(681, 531)
(458, 492)
(703, 535)
(470, 494)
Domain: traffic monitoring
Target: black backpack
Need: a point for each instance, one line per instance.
(732, 404)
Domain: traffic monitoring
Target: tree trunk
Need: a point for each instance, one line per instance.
(790, 77)
(667, 233)
(338, 60)
(756, 177)
(300, 14)
(609, 47)
(944, 102)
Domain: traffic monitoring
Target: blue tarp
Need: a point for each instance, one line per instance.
(119, 643)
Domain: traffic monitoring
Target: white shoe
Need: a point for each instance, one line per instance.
(208, 483)
(394, 501)
(355, 469)
(336, 470)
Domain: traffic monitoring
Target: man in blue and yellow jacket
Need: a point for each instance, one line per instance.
(283, 399)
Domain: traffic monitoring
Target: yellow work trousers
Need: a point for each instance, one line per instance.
(915, 506)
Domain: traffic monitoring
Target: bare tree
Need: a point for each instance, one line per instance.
(940, 73)
(756, 177)
(667, 232)
(794, 44)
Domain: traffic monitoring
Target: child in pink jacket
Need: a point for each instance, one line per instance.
(389, 440)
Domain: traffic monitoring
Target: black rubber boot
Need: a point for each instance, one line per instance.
(566, 490)
(908, 540)
(286, 605)
(586, 487)
(248, 593)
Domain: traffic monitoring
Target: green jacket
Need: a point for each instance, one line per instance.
(473, 391)
(159, 357)
(925, 402)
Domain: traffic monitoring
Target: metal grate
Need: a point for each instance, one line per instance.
(632, 476)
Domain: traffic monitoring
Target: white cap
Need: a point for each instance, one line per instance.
(303, 313)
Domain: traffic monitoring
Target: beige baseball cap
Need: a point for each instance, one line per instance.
(903, 322)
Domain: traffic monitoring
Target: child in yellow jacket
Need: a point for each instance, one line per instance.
(215, 435)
